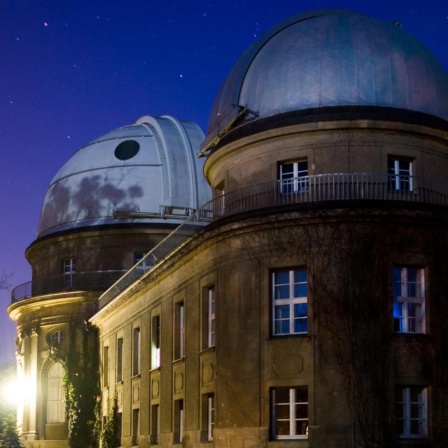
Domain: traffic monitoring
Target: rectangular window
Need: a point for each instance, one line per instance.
(210, 416)
(155, 342)
(119, 372)
(411, 412)
(289, 408)
(68, 269)
(293, 177)
(208, 317)
(219, 196)
(119, 427)
(179, 420)
(135, 426)
(289, 302)
(409, 299)
(136, 344)
(400, 173)
(155, 423)
(179, 330)
(105, 366)
(144, 263)
(211, 316)
(207, 417)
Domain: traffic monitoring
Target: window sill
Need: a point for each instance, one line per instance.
(179, 361)
(290, 335)
(412, 335)
(208, 349)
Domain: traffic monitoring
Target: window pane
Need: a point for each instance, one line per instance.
(281, 292)
(300, 310)
(282, 327)
(398, 316)
(302, 395)
(282, 428)
(300, 276)
(282, 312)
(396, 278)
(281, 277)
(287, 170)
(282, 319)
(302, 168)
(300, 290)
(302, 411)
(301, 326)
(300, 318)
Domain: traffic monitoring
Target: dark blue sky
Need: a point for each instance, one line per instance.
(73, 70)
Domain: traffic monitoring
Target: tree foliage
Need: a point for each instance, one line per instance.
(109, 435)
(81, 385)
(11, 437)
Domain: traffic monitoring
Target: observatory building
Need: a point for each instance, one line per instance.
(281, 279)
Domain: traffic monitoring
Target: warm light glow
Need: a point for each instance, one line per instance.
(15, 390)
(11, 391)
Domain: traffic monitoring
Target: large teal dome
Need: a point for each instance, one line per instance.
(331, 58)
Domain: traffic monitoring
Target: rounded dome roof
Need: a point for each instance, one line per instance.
(131, 171)
(328, 58)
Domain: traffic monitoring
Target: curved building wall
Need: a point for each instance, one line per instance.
(349, 296)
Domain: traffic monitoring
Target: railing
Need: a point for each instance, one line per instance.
(82, 281)
(304, 190)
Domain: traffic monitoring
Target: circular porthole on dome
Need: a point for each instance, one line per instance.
(127, 149)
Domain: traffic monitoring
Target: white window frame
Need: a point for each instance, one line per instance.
(210, 416)
(56, 338)
(135, 425)
(412, 412)
(411, 300)
(179, 420)
(119, 364)
(292, 415)
(400, 177)
(156, 335)
(181, 330)
(211, 315)
(288, 303)
(136, 351)
(295, 181)
(68, 267)
(155, 425)
(55, 394)
(142, 262)
(106, 366)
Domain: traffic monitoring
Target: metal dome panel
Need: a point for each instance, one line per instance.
(331, 58)
(134, 170)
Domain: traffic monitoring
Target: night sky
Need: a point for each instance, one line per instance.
(73, 70)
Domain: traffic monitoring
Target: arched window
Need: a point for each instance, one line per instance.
(55, 394)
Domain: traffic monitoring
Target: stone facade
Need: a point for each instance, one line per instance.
(304, 305)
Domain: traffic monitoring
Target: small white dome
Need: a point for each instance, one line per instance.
(136, 168)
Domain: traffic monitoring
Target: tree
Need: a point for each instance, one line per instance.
(109, 436)
(4, 280)
(11, 438)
